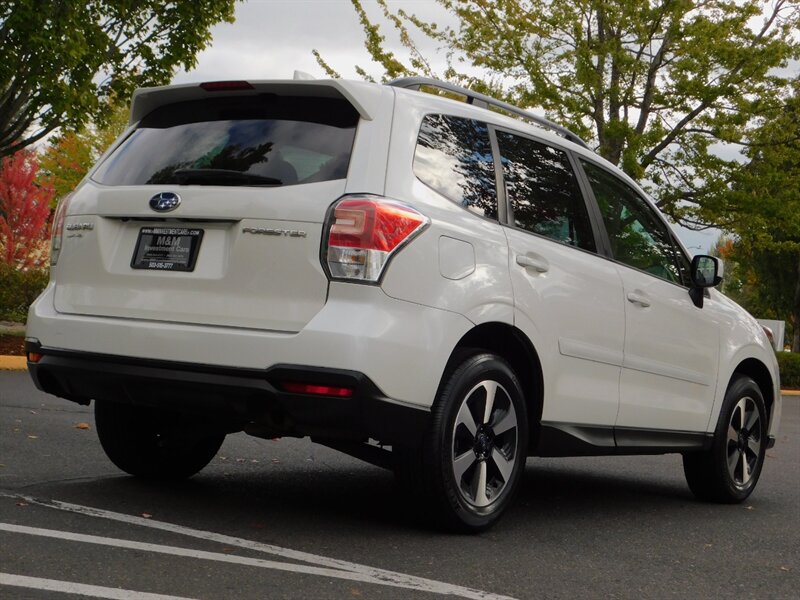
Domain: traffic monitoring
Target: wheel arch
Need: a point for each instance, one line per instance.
(514, 346)
(758, 372)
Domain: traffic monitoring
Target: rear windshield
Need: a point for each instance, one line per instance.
(264, 140)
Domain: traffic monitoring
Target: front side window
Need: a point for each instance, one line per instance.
(638, 237)
(543, 191)
(253, 140)
(454, 157)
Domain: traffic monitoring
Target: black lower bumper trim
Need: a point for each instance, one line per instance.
(244, 398)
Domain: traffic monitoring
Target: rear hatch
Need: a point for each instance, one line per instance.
(210, 211)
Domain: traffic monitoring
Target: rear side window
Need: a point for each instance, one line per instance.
(543, 191)
(454, 157)
(255, 140)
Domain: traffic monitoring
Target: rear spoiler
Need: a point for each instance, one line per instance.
(364, 97)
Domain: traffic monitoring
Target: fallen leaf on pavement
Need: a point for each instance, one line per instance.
(82, 426)
(33, 437)
(26, 504)
(147, 515)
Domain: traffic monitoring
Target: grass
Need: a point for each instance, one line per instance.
(11, 328)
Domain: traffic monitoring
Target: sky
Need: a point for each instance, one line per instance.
(270, 39)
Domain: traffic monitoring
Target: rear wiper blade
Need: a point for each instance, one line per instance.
(222, 177)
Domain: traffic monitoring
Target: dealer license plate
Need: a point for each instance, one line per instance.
(167, 248)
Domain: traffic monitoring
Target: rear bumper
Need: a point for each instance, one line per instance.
(401, 346)
(248, 399)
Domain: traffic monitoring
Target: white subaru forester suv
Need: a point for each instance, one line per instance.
(443, 288)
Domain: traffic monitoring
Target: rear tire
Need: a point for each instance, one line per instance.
(729, 470)
(473, 455)
(152, 443)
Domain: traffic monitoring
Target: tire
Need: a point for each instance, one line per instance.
(729, 470)
(152, 443)
(472, 459)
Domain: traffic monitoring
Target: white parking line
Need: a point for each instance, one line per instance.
(82, 589)
(189, 553)
(336, 568)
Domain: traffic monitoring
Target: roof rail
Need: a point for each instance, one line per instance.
(485, 101)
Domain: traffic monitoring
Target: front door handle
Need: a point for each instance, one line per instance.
(538, 264)
(639, 298)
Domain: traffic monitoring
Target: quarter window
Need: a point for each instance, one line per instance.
(454, 157)
(544, 192)
(638, 237)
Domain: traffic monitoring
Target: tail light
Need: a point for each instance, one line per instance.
(58, 228)
(364, 232)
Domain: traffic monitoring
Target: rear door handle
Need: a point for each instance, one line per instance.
(639, 298)
(538, 264)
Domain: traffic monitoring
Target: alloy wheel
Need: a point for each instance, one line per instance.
(484, 448)
(744, 441)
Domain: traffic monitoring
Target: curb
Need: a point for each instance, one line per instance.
(13, 363)
(20, 363)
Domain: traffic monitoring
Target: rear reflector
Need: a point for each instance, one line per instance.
(364, 232)
(34, 357)
(225, 86)
(318, 390)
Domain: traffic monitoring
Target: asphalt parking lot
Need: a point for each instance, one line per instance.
(289, 519)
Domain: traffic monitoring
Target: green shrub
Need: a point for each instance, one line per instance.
(17, 290)
(789, 363)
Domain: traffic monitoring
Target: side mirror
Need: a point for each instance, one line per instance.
(706, 272)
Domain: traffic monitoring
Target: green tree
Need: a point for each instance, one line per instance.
(762, 207)
(65, 161)
(654, 83)
(62, 60)
(733, 282)
(70, 154)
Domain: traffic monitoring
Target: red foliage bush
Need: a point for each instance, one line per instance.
(24, 212)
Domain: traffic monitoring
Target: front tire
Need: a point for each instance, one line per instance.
(152, 443)
(729, 471)
(474, 453)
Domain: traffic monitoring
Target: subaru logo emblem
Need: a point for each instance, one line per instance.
(165, 202)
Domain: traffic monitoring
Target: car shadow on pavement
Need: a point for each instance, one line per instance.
(349, 499)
